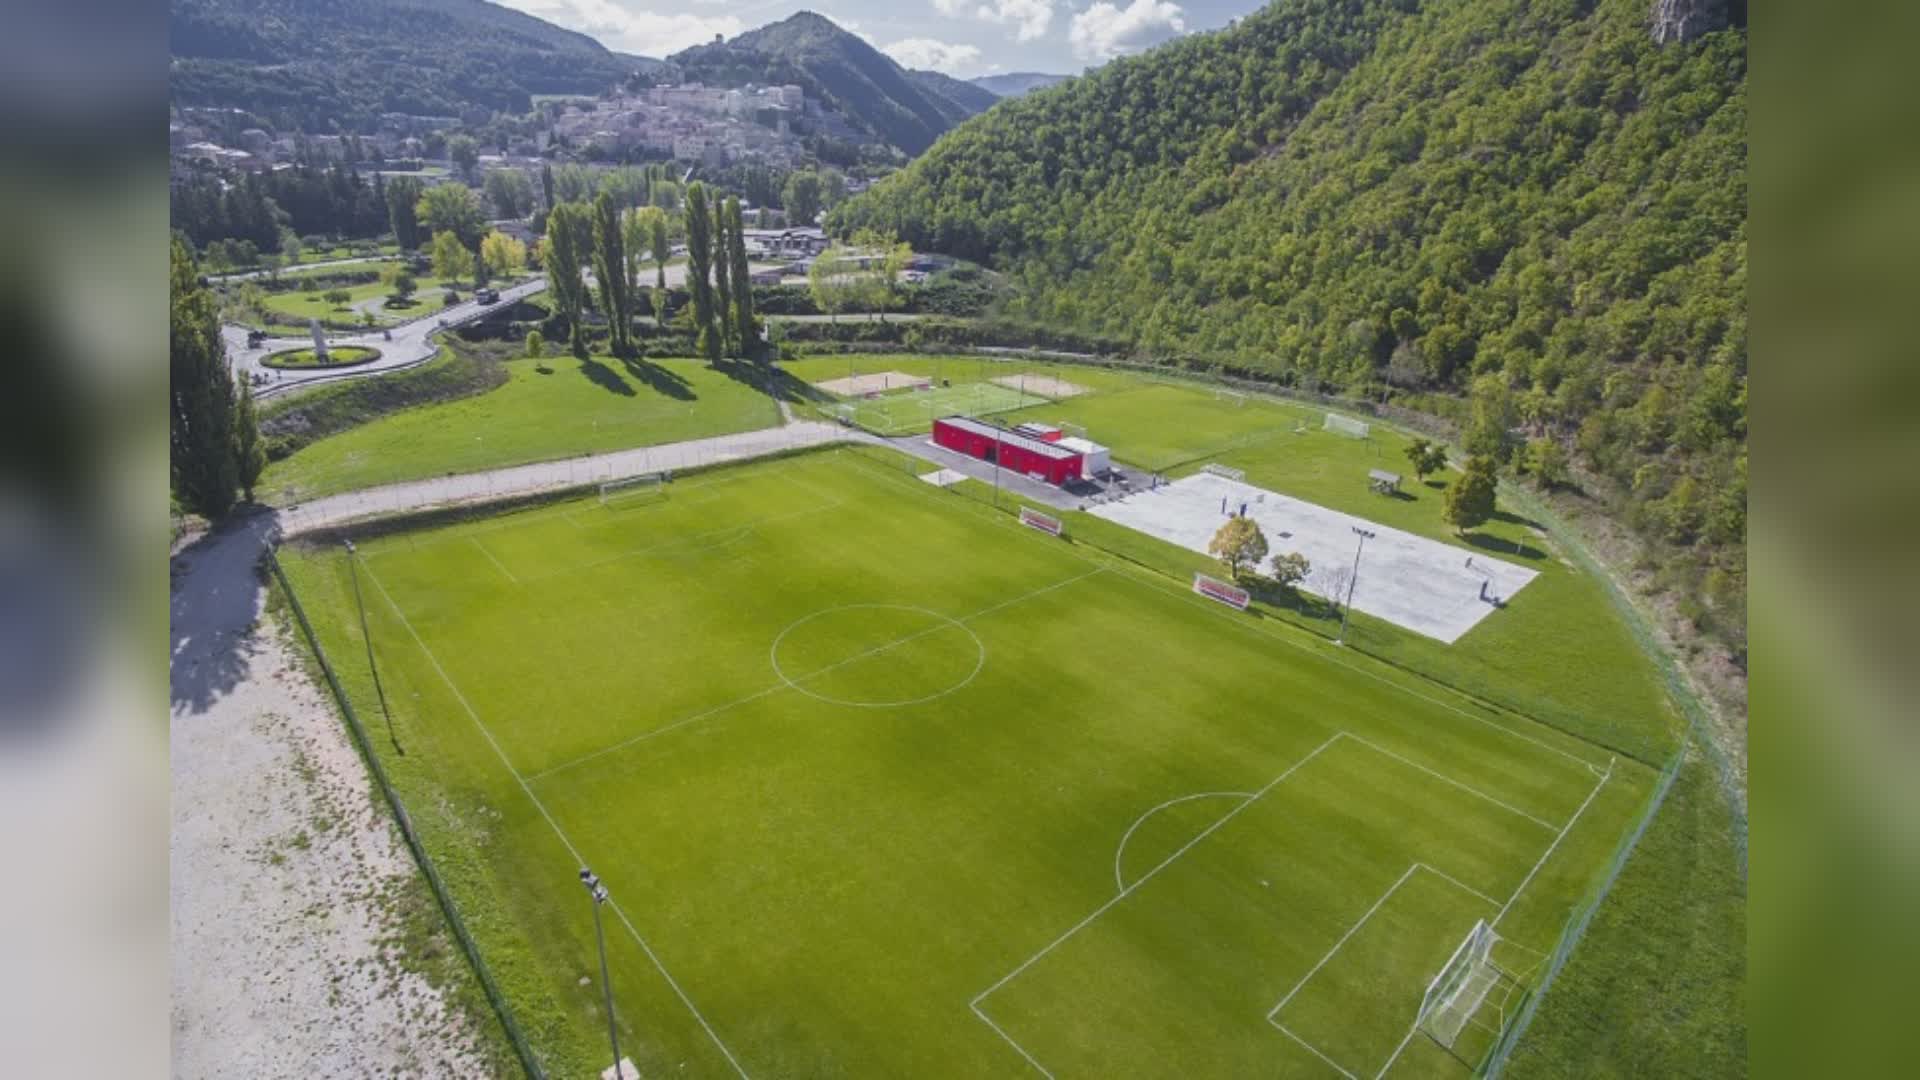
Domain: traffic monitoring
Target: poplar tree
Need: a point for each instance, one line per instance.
(610, 267)
(203, 466)
(563, 272)
(742, 281)
(699, 283)
(723, 280)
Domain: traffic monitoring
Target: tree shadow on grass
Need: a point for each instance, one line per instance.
(660, 378)
(605, 378)
(1498, 546)
(774, 381)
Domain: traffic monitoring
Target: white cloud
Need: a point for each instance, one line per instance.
(928, 54)
(1029, 18)
(1105, 31)
(633, 30)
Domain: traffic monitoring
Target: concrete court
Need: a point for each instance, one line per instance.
(1420, 584)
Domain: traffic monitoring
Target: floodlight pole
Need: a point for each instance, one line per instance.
(997, 451)
(1352, 582)
(599, 894)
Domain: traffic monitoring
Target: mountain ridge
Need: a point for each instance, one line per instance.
(321, 64)
(908, 109)
(1015, 84)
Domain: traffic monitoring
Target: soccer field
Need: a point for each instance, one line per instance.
(883, 784)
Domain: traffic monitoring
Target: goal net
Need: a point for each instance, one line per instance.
(1223, 471)
(1233, 398)
(644, 486)
(1457, 992)
(1348, 426)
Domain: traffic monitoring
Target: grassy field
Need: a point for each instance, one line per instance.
(958, 799)
(575, 407)
(428, 298)
(962, 384)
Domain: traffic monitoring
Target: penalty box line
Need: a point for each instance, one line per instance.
(1125, 892)
(565, 841)
(1274, 1013)
(814, 674)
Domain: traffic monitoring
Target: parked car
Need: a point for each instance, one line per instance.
(487, 296)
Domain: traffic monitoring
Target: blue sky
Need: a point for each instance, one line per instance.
(960, 37)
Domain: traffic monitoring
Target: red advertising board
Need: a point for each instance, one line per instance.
(1215, 589)
(1033, 519)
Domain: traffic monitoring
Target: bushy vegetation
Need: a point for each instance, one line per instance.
(1529, 209)
(313, 66)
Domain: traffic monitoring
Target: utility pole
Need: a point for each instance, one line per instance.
(599, 894)
(1347, 608)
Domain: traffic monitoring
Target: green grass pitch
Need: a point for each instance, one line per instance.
(884, 784)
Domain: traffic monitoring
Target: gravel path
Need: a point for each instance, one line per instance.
(545, 476)
(283, 867)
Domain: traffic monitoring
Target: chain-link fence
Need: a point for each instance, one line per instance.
(521, 1047)
(1575, 928)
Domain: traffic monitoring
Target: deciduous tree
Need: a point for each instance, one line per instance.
(403, 198)
(1470, 501)
(610, 271)
(743, 324)
(451, 259)
(801, 197)
(202, 463)
(699, 271)
(563, 273)
(1238, 545)
(452, 208)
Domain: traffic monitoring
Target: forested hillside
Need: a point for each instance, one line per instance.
(908, 109)
(318, 64)
(1527, 215)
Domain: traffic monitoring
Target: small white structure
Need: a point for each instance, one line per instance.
(1096, 460)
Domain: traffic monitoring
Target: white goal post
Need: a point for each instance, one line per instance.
(1232, 397)
(1464, 982)
(1224, 471)
(645, 484)
(1348, 426)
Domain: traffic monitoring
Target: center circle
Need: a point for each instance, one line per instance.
(938, 654)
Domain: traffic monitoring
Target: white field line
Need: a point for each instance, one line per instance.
(551, 823)
(1312, 1049)
(1351, 930)
(1458, 884)
(1545, 855)
(1443, 778)
(1215, 610)
(1118, 880)
(1128, 891)
(1395, 1056)
(498, 565)
(816, 673)
(1011, 1041)
(1542, 861)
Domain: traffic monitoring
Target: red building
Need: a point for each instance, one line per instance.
(1027, 456)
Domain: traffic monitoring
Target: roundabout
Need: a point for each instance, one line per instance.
(340, 356)
(876, 656)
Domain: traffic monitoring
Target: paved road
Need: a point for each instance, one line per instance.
(411, 343)
(409, 346)
(903, 316)
(546, 476)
